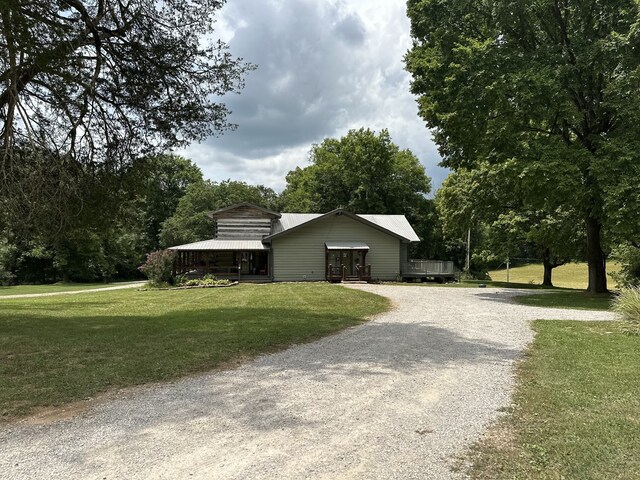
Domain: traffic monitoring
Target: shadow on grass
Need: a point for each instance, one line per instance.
(573, 299)
(556, 298)
(522, 286)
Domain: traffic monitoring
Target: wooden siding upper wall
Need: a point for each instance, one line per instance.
(243, 212)
(243, 223)
(242, 228)
(300, 255)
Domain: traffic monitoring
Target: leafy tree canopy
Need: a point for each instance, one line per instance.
(84, 222)
(111, 79)
(163, 180)
(554, 84)
(361, 172)
(502, 202)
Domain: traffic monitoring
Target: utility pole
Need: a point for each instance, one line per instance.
(507, 269)
(468, 265)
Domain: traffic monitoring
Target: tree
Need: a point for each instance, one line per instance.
(84, 222)
(361, 172)
(504, 204)
(191, 221)
(111, 79)
(162, 181)
(553, 84)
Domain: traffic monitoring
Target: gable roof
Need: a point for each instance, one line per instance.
(394, 225)
(215, 213)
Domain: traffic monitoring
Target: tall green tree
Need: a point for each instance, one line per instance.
(191, 221)
(88, 226)
(112, 79)
(500, 201)
(162, 180)
(555, 84)
(363, 172)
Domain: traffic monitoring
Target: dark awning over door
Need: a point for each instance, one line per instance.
(346, 246)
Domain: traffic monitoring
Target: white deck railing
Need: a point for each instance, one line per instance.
(429, 267)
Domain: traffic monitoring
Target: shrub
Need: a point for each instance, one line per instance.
(158, 267)
(629, 274)
(206, 281)
(627, 304)
(6, 277)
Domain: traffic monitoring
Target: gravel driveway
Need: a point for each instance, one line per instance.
(397, 397)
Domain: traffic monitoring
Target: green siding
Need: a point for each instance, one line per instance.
(300, 255)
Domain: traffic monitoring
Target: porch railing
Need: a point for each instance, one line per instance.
(339, 273)
(336, 273)
(428, 267)
(363, 272)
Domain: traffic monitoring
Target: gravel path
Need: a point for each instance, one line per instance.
(75, 292)
(397, 397)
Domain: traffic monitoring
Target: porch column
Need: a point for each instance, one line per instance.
(326, 264)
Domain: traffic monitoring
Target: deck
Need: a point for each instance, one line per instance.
(429, 270)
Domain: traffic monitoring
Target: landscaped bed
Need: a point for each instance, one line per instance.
(55, 350)
(577, 408)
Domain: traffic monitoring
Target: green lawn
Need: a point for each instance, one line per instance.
(55, 350)
(576, 408)
(52, 288)
(571, 275)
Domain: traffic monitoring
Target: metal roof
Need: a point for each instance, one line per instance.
(346, 246)
(397, 224)
(214, 244)
(290, 220)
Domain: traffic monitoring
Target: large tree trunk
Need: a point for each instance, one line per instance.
(595, 257)
(548, 268)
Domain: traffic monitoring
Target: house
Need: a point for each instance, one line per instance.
(254, 243)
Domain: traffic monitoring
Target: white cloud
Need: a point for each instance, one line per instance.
(323, 68)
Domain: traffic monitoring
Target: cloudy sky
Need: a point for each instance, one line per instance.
(324, 67)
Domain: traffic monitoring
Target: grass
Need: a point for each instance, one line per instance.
(51, 288)
(567, 299)
(576, 411)
(571, 275)
(60, 349)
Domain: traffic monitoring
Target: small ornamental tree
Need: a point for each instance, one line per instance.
(158, 266)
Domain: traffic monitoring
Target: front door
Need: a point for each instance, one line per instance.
(348, 259)
(348, 262)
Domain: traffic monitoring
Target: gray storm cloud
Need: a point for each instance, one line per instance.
(323, 68)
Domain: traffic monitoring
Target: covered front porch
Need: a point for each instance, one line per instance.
(346, 261)
(248, 261)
